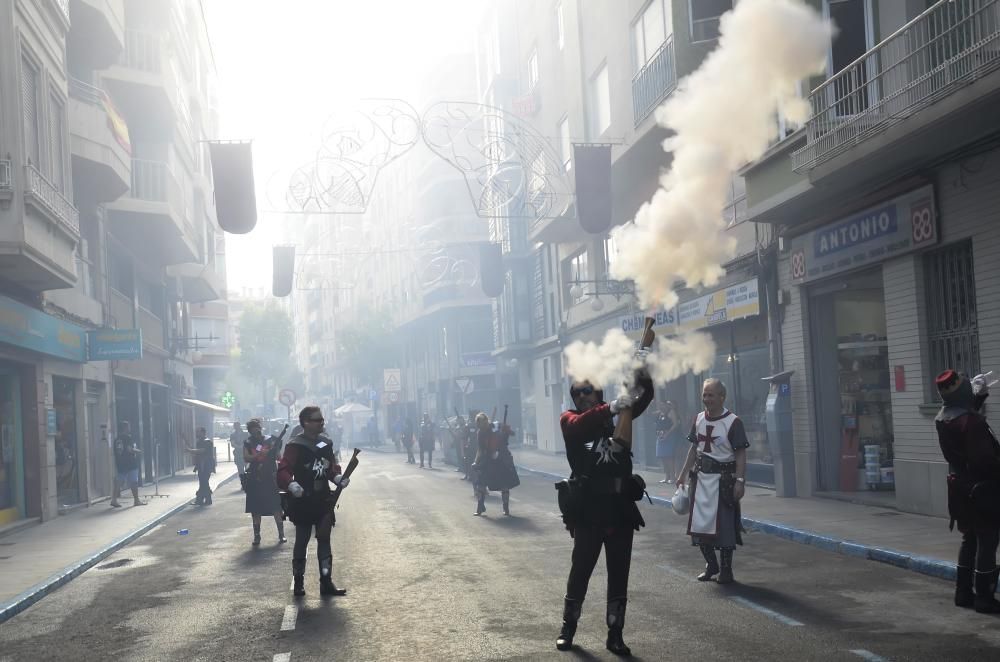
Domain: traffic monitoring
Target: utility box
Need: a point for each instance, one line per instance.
(779, 432)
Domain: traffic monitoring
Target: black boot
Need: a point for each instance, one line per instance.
(726, 561)
(326, 586)
(299, 574)
(506, 503)
(616, 622)
(984, 602)
(571, 614)
(711, 566)
(481, 506)
(964, 597)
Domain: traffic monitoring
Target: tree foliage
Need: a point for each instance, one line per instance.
(366, 345)
(267, 343)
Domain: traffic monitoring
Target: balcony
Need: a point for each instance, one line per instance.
(936, 75)
(656, 79)
(6, 182)
(152, 218)
(98, 34)
(102, 163)
(199, 282)
(45, 197)
(143, 82)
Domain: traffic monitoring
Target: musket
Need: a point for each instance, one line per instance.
(623, 429)
(351, 466)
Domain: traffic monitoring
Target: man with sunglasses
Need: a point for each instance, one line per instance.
(608, 516)
(305, 472)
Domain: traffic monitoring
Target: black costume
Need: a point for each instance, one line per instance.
(494, 465)
(973, 456)
(205, 466)
(311, 464)
(426, 435)
(599, 509)
(261, 482)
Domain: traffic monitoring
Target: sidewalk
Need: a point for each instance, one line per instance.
(915, 542)
(36, 560)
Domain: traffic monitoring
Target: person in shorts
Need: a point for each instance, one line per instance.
(126, 465)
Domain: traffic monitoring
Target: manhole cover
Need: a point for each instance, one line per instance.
(115, 564)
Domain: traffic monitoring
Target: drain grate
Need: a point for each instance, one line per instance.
(115, 564)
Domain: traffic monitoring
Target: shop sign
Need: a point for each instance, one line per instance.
(23, 326)
(896, 227)
(725, 305)
(114, 344)
(479, 360)
(665, 324)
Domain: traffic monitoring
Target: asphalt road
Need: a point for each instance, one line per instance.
(428, 581)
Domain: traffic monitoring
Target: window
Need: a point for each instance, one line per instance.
(29, 111)
(952, 328)
(537, 183)
(122, 279)
(533, 69)
(57, 143)
(610, 252)
(565, 146)
(736, 202)
(576, 269)
(705, 18)
(560, 27)
(601, 100)
(150, 296)
(649, 32)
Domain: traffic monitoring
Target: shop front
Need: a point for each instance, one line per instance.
(841, 271)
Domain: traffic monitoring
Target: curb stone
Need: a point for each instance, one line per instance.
(904, 560)
(21, 602)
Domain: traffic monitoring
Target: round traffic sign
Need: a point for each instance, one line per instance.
(286, 397)
(392, 396)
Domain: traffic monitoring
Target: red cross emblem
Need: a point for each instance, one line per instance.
(707, 438)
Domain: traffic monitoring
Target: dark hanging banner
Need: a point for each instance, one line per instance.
(491, 274)
(232, 174)
(283, 270)
(592, 164)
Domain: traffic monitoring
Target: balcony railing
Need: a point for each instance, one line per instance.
(142, 51)
(45, 193)
(85, 92)
(655, 80)
(6, 176)
(153, 181)
(948, 46)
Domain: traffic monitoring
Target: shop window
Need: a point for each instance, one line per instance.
(952, 329)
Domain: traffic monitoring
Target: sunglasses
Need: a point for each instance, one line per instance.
(586, 390)
(315, 420)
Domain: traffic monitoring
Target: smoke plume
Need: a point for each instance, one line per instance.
(723, 116)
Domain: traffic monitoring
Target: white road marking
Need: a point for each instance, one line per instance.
(768, 612)
(282, 657)
(868, 655)
(288, 621)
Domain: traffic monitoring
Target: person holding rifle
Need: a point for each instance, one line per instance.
(261, 456)
(306, 469)
(204, 466)
(494, 462)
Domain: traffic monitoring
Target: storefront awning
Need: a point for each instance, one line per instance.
(205, 405)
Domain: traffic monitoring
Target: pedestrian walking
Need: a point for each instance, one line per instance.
(426, 436)
(716, 468)
(261, 456)
(307, 467)
(236, 440)
(459, 439)
(667, 439)
(407, 438)
(204, 466)
(126, 465)
(494, 463)
(973, 456)
(598, 503)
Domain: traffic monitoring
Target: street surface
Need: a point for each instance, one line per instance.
(427, 580)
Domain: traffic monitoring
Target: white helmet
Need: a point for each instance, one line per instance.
(681, 502)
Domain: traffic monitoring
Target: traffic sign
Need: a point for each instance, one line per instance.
(393, 397)
(372, 395)
(464, 384)
(392, 380)
(286, 397)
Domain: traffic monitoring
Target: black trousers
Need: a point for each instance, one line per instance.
(587, 543)
(204, 493)
(304, 531)
(979, 549)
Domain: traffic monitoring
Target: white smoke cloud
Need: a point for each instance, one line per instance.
(723, 116)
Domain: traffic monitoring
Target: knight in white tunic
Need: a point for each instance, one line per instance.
(715, 469)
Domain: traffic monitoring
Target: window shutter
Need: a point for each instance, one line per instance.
(29, 110)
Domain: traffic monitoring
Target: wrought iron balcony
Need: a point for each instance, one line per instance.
(951, 44)
(6, 178)
(142, 51)
(656, 79)
(42, 191)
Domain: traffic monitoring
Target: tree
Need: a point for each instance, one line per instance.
(366, 345)
(267, 346)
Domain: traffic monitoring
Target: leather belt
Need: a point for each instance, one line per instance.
(709, 465)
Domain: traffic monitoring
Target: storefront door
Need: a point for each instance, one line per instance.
(851, 380)
(11, 449)
(67, 449)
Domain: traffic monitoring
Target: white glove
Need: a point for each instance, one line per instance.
(981, 383)
(295, 489)
(621, 402)
(341, 481)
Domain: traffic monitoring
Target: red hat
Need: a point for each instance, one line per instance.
(948, 382)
